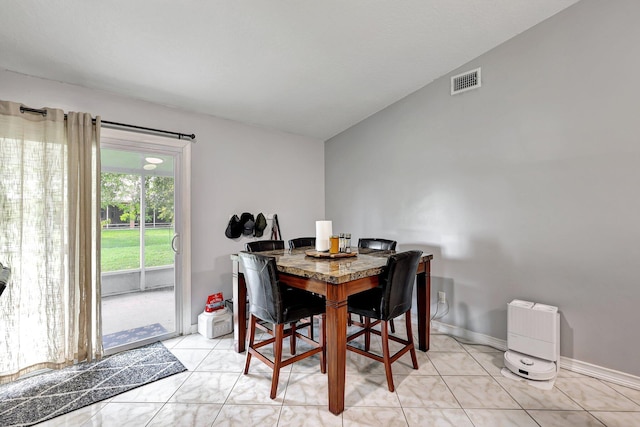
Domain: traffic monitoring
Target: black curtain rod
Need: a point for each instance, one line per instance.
(178, 134)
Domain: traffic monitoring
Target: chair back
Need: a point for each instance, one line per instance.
(378, 244)
(302, 242)
(264, 245)
(263, 287)
(397, 282)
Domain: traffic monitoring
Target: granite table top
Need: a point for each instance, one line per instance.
(336, 271)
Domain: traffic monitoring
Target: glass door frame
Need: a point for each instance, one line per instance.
(180, 150)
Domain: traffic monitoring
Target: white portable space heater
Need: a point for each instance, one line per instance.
(533, 340)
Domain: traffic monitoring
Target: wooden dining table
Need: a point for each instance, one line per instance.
(336, 279)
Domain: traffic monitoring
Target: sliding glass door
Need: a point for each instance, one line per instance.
(139, 244)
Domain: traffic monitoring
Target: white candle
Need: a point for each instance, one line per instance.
(323, 233)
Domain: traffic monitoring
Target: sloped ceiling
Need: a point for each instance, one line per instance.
(310, 67)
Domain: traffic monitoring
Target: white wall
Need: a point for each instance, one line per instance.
(235, 168)
(525, 188)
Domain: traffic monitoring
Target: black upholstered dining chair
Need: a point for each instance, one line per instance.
(272, 245)
(378, 244)
(301, 242)
(264, 245)
(269, 302)
(384, 303)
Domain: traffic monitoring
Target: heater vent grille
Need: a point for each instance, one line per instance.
(465, 81)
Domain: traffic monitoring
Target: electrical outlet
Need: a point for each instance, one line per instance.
(442, 297)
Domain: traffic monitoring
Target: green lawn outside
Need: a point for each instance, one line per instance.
(121, 248)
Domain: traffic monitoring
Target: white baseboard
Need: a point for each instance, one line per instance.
(600, 372)
(466, 334)
(567, 363)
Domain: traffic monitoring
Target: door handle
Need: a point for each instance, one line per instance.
(173, 241)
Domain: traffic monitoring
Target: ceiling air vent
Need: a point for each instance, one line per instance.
(465, 81)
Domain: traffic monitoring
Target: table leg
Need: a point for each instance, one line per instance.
(239, 311)
(423, 283)
(336, 324)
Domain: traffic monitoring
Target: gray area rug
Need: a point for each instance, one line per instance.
(35, 399)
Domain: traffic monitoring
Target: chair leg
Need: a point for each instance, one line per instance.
(322, 340)
(252, 334)
(277, 358)
(393, 328)
(367, 334)
(414, 359)
(292, 339)
(386, 356)
(311, 327)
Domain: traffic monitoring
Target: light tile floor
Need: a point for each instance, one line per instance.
(456, 385)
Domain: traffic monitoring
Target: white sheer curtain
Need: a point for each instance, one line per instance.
(49, 225)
